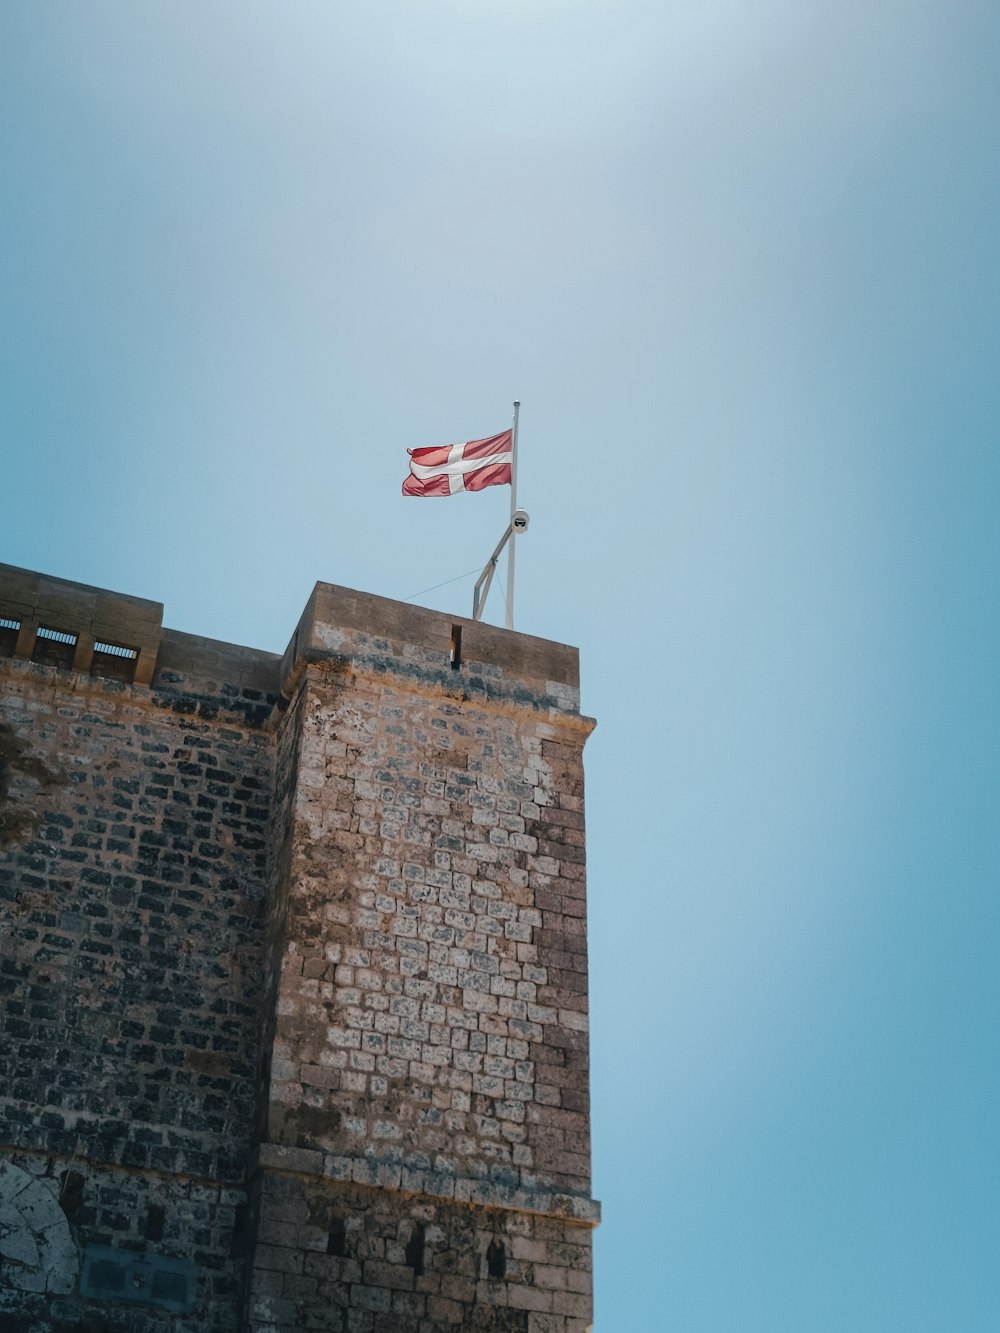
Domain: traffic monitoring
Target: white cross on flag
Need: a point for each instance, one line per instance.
(446, 469)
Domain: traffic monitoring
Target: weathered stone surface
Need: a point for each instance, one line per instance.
(37, 1251)
(418, 1027)
(547, 1264)
(293, 970)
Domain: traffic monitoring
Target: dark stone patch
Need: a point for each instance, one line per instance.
(19, 825)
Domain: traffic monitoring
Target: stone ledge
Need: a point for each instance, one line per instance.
(280, 1157)
(391, 1175)
(434, 685)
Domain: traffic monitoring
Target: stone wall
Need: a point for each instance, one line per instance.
(293, 971)
(133, 830)
(418, 1024)
(346, 1258)
(52, 1209)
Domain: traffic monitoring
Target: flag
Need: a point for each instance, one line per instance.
(448, 468)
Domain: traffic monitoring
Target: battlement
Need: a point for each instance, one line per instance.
(71, 625)
(112, 635)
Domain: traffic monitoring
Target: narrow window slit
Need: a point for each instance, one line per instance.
(154, 1221)
(71, 1192)
(496, 1259)
(239, 1246)
(336, 1241)
(415, 1249)
(456, 647)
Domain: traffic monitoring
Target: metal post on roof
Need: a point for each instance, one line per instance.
(513, 510)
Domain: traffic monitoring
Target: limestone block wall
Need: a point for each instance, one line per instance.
(422, 1024)
(430, 1033)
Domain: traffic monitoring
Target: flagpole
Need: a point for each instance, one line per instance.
(512, 544)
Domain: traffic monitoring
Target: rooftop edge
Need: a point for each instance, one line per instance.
(103, 633)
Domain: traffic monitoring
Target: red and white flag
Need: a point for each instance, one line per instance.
(446, 469)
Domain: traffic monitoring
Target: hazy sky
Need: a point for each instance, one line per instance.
(740, 264)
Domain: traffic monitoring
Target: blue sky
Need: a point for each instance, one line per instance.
(739, 262)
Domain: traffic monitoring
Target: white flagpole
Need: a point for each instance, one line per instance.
(512, 543)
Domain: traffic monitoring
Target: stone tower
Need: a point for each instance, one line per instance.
(427, 1142)
(366, 880)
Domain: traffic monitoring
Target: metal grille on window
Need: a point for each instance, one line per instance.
(54, 647)
(115, 660)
